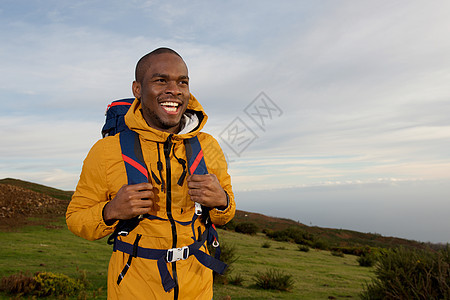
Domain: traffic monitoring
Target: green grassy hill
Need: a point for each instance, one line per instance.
(48, 246)
(316, 274)
(333, 237)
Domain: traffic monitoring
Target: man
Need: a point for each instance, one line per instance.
(164, 114)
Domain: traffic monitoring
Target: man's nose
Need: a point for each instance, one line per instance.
(173, 88)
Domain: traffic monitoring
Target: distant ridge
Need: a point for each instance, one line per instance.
(334, 237)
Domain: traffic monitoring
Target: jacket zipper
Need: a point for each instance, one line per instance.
(167, 148)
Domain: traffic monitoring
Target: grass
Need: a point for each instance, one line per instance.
(316, 274)
(57, 250)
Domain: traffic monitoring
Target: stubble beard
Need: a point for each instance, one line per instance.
(164, 125)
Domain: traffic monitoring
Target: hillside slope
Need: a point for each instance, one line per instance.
(52, 192)
(21, 206)
(31, 199)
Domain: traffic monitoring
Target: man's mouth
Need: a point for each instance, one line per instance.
(170, 107)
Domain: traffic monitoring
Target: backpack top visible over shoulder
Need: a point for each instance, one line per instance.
(115, 116)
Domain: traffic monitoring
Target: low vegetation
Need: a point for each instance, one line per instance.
(292, 234)
(273, 260)
(367, 259)
(247, 228)
(273, 279)
(43, 284)
(411, 274)
(303, 248)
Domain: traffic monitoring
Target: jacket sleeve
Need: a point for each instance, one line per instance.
(84, 214)
(217, 165)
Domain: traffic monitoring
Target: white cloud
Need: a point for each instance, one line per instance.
(363, 85)
(48, 151)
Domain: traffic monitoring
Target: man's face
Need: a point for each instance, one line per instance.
(164, 92)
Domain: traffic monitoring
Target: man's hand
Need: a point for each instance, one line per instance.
(130, 201)
(206, 190)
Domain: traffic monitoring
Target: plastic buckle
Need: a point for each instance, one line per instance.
(176, 254)
(198, 209)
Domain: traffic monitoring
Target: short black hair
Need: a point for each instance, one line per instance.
(143, 64)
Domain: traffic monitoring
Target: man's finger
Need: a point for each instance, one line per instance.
(146, 195)
(197, 178)
(196, 192)
(142, 186)
(144, 203)
(195, 184)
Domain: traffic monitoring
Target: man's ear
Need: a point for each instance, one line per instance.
(136, 87)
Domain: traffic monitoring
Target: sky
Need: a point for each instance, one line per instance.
(331, 113)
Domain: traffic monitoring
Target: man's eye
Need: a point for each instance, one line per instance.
(184, 82)
(160, 80)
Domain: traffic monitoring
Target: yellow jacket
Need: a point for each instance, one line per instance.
(102, 176)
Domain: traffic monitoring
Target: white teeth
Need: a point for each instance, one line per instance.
(170, 104)
(170, 108)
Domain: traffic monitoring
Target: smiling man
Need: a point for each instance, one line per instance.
(162, 84)
(165, 256)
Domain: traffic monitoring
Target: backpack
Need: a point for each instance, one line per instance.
(137, 172)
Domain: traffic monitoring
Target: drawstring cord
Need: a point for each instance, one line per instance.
(183, 163)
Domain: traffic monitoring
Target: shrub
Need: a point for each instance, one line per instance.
(228, 253)
(337, 253)
(42, 285)
(267, 231)
(236, 280)
(291, 235)
(18, 284)
(266, 245)
(56, 284)
(320, 244)
(274, 280)
(228, 256)
(411, 274)
(358, 251)
(229, 226)
(247, 228)
(303, 248)
(367, 259)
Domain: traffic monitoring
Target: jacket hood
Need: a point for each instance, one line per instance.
(136, 122)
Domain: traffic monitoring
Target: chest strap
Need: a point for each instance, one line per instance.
(172, 255)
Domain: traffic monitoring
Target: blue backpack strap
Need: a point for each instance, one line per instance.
(194, 155)
(115, 117)
(137, 172)
(132, 156)
(197, 165)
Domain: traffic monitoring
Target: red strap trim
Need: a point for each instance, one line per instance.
(213, 226)
(136, 165)
(196, 162)
(117, 103)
